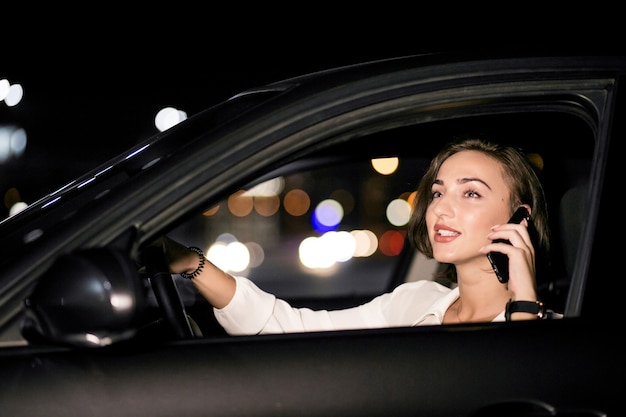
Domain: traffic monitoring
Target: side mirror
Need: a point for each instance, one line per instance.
(92, 297)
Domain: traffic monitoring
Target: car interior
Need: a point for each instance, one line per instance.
(560, 144)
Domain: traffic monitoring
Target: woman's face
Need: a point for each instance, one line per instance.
(469, 197)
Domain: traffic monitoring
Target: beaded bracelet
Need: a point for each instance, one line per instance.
(200, 265)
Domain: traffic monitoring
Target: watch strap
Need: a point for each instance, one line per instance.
(533, 307)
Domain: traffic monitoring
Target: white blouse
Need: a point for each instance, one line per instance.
(254, 311)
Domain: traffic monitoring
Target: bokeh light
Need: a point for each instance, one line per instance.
(327, 215)
(391, 242)
(266, 205)
(325, 251)
(385, 166)
(168, 117)
(14, 95)
(12, 142)
(240, 204)
(398, 212)
(267, 188)
(296, 202)
(366, 242)
(4, 88)
(229, 254)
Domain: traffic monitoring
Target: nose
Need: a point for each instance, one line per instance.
(441, 206)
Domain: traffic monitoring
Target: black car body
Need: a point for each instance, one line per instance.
(68, 351)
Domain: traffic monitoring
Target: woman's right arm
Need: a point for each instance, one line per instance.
(242, 308)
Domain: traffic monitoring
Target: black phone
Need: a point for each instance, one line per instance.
(499, 261)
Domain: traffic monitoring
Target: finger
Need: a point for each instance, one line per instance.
(516, 234)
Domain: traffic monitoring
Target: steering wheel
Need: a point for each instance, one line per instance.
(166, 293)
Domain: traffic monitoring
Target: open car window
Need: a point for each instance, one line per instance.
(329, 229)
(337, 229)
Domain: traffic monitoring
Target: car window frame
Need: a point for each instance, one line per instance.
(411, 256)
(414, 95)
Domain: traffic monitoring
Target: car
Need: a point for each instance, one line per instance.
(266, 183)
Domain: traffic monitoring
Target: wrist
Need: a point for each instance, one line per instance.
(196, 268)
(525, 310)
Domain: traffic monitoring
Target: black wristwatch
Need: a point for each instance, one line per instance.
(533, 307)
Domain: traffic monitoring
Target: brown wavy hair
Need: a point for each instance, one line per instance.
(519, 175)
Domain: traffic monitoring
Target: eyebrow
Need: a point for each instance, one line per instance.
(464, 181)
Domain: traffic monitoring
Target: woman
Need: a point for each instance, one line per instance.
(465, 198)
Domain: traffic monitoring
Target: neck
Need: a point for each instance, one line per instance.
(480, 299)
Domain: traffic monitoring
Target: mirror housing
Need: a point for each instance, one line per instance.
(92, 297)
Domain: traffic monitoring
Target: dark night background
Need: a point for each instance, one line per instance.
(81, 110)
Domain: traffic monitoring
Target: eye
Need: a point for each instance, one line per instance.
(471, 194)
(435, 194)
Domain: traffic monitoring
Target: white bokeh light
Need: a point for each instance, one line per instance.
(328, 249)
(12, 142)
(168, 117)
(4, 88)
(398, 212)
(231, 256)
(366, 242)
(341, 244)
(329, 212)
(238, 256)
(14, 95)
(267, 188)
(17, 207)
(217, 255)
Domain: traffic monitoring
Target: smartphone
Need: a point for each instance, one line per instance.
(499, 261)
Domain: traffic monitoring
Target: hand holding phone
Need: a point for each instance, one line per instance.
(499, 261)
